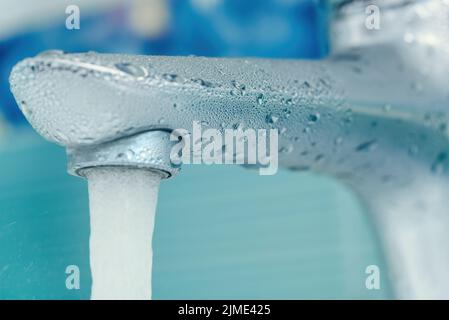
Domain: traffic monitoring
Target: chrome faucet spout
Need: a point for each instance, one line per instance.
(148, 150)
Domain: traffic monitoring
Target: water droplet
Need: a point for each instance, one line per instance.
(286, 150)
(314, 117)
(324, 82)
(161, 120)
(282, 131)
(27, 112)
(130, 154)
(131, 69)
(239, 88)
(439, 163)
(170, 77)
(272, 118)
(202, 82)
(260, 99)
(367, 146)
(387, 107)
(319, 158)
(83, 72)
(238, 126)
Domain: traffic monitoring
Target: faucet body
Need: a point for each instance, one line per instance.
(373, 115)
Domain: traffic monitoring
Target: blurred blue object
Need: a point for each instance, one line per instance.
(275, 29)
(263, 28)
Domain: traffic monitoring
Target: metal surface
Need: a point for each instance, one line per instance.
(149, 150)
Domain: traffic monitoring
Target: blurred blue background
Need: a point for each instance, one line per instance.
(221, 232)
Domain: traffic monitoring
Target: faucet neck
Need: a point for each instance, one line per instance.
(415, 34)
(361, 23)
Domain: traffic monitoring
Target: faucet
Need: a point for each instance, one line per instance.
(373, 115)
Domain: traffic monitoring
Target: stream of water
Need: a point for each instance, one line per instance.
(122, 211)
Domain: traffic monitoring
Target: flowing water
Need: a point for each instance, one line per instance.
(122, 211)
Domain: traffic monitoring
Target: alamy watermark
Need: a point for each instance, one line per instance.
(372, 20)
(72, 281)
(257, 147)
(72, 22)
(372, 281)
